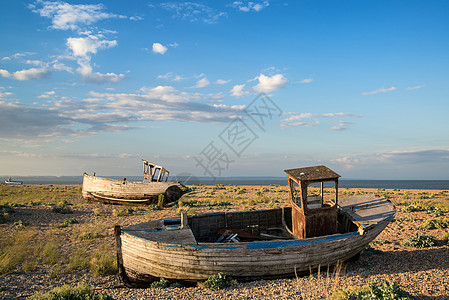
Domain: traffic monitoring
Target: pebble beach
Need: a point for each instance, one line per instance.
(423, 272)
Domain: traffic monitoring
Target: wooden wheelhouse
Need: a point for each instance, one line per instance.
(313, 215)
(154, 173)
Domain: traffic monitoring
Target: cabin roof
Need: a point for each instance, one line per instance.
(145, 162)
(312, 173)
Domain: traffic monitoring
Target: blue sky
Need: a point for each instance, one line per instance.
(225, 88)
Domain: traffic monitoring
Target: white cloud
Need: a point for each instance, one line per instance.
(203, 82)
(268, 84)
(382, 90)
(301, 124)
(62, 67)
(159, 103)
(297, 119)
(81, 47)
(35, 62)
(237, 90)
(17, 55)
(136, 18)
(418, 156)
(88, 75)
(80, 18)
(414, 164)
(300, 116)
(168, 94)
(177, 78)
(307, 80)
(21, 154)
(46, 95)
(193, 12)
(25, 122)
(416, 87)
(113, 112)
(170, 76)
(4, 95)
(341, 125)
(66, 16)
(221, 81)
(159, 48)
(5, 73)
(247, 6)
(27, 74)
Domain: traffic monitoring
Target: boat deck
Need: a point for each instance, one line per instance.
(360, 211)
(175, 236)
(367, 209)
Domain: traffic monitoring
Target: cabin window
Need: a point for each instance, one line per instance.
(295, 192)
(321, 194)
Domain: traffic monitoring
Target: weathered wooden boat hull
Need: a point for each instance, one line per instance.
(125, 192)
(146, 261)
(143, 259)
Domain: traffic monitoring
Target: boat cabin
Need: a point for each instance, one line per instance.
(313, 214)
(154, 173)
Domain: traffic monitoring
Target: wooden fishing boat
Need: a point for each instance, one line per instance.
(147, 191)
(314, 231)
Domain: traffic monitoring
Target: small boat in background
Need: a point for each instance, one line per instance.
(125, 192)
(10, 181)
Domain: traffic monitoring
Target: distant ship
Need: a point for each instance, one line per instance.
(10, 181)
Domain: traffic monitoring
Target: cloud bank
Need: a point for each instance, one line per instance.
(110, 112)
(65, 16)
(27, 74)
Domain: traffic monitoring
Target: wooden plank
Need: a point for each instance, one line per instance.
(178, 236)
(367, 209)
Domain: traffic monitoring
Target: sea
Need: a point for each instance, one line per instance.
(282, 181)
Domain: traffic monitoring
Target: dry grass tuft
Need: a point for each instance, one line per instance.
(326, 283)
(103, 261)
(16, 248)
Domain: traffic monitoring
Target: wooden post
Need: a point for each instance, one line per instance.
(292, 189)
(336, 191)
(304, 193)
(322, 193)
(184, 220)
(159, 176)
